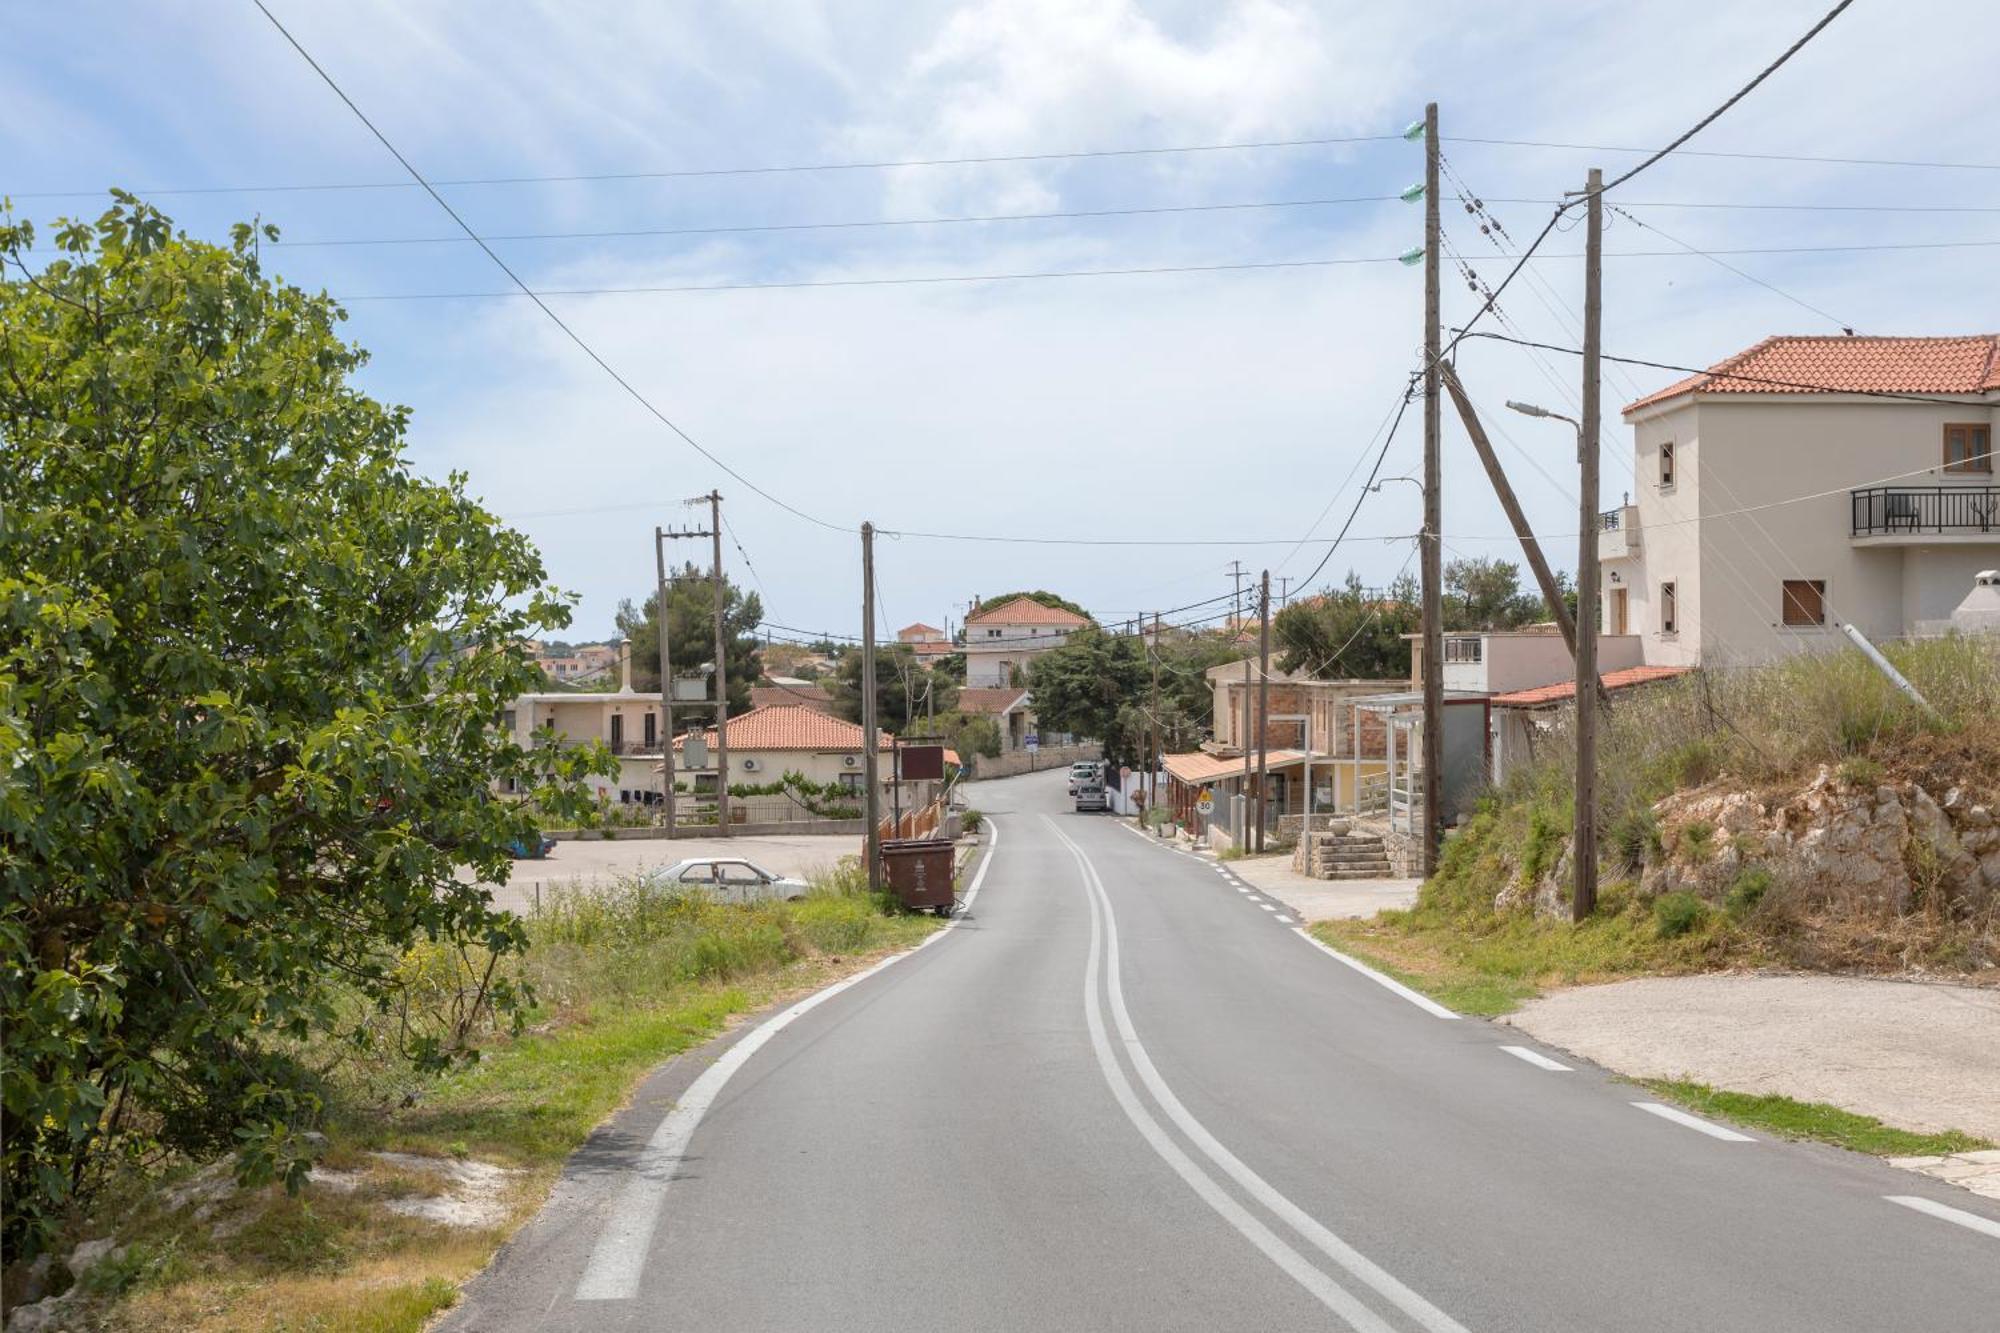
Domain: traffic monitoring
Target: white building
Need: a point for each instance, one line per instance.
(1001, 640)
(1803, 483)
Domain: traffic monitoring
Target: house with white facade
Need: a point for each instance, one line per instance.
(1000, 640)
(1803, 483)
(627, 722)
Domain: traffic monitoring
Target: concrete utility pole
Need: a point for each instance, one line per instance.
(666, 682)
(721, 674)
(1153, 769)
(1431, 541)
(872, 801)
(1263, 702)
(1236, 597)
(1583, 843)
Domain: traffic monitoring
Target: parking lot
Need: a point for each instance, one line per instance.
(604, 862)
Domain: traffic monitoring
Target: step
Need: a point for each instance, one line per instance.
(1349, 873)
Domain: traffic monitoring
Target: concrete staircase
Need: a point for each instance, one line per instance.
(1349, 856)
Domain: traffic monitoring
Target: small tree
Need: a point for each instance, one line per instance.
(1089, 686)
(691, 632)
(249, 680)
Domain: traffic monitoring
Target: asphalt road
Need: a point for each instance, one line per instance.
(1123, 1092)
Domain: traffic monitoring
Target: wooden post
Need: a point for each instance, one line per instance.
(1432, 538)
(1153, 769)
(872, 802)
(1583, 843)
(666, 682)
(721, 675)
(1263, 703)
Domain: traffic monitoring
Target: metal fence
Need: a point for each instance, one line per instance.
(1937, 510)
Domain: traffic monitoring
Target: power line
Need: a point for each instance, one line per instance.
(529, 292)
(934, 279)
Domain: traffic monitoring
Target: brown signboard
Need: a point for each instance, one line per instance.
(923, 763)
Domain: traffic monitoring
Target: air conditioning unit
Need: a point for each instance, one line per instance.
(750, 765)
(851, 760)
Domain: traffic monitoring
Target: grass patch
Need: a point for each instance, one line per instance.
(1813, 1120)
(624, 979)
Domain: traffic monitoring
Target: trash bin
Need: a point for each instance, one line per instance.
(919, 872)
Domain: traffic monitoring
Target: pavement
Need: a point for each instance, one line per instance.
(1922, 1057)
(598, 861)
(1323, 899)
(1126, 1091)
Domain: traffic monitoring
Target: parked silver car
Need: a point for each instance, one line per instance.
(728, 879)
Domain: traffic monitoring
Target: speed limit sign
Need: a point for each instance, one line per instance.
(1205, 805)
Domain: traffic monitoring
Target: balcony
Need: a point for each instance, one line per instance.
(1925, 515)
(1618, 533)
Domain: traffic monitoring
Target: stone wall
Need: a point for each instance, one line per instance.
(1053, 756)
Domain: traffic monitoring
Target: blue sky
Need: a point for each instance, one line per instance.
(1217, 406)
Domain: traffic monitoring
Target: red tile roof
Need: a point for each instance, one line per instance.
(1026, 611)
(789, 727)
(1197, 768)
(989, 699)
(917, 632)
(933, 648)
(1563, 691)
(1849, 365)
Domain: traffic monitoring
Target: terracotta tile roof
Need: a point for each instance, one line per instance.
(1198, 768)
(989, 699)
(933, 648)
(1026, 611)
(789, 727)
(1849, 365)
(918, 631)
(810, 696)
(1563, 691)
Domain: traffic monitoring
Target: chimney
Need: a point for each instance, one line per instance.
(623, 647)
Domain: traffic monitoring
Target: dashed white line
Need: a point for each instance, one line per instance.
(619, 1257)
(1693, 1122)
(1287, 920)
(1267, 907)
(1422, 1001)
(1985, 1226)
(1535, 1058)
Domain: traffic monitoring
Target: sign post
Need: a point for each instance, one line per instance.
(1034, 745)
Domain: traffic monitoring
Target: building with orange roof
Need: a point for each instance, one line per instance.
(1803, 483)
(1000, 640)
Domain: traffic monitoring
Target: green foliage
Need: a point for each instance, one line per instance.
(1547, 828)
(1635, 839)
(906, 691)
(973, 735)
(1041, 595)
(248, 680)
(1087, 684)
(971, 820)
(1814, 1120)
(691, 632)
(1677, 913)
(1861, 772)
(1697, 840)
(828, 800)
(1350, 631)
(1483, 593)
(1748, 890)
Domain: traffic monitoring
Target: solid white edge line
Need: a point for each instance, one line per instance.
(1986, 1226)
(1536, 1058)
(1418, 998)
(1694, 1122)
(1310, 1228)
(618, 1260)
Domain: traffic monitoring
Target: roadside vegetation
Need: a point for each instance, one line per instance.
(1785, 1118)
(621, 979)
(1490, 929)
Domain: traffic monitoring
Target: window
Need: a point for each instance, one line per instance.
(1968, 448)
(617, 733)
(851, 782)
(1670, 610)
(993, 634)
(1805, 602)
(652, 730)
(1462, 650)
(1667, 466)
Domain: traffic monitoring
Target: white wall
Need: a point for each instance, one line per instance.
(1018, 644)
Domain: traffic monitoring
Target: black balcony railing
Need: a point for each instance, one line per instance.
(1612, 519)
(1881, 511)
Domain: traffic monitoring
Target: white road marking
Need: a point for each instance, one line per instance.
(619, 1257)
(1267, 907)
(1287, 920)
(1422, 1001)
(1308, 1227)
(1535, 1058)
(1972, 1221)
(1693, 1122)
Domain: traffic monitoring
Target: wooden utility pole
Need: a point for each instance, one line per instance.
(1583, 843)
(1263, 702)
(666, 682)
(721, 674)
(1153, 769)
(1530, 547)
(1431, 540)
(872, 802)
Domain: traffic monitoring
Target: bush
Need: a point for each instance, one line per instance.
(971, 820)
(1698, 840)
(1860, 772)
(1677, 913)
(1635, 838)
(1748, 890)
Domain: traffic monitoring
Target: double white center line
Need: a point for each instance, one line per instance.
(1104, 953)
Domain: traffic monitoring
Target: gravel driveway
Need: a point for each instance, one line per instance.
(1918, 1056)
(603, 861)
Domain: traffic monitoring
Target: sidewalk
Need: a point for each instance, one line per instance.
(1322, 899)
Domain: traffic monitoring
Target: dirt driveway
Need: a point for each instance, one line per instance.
(1918, 1056)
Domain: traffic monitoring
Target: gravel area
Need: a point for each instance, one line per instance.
(1917, 1056)
(602, 861)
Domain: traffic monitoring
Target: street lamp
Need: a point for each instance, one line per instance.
(1530, 410)
(1376, 488)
